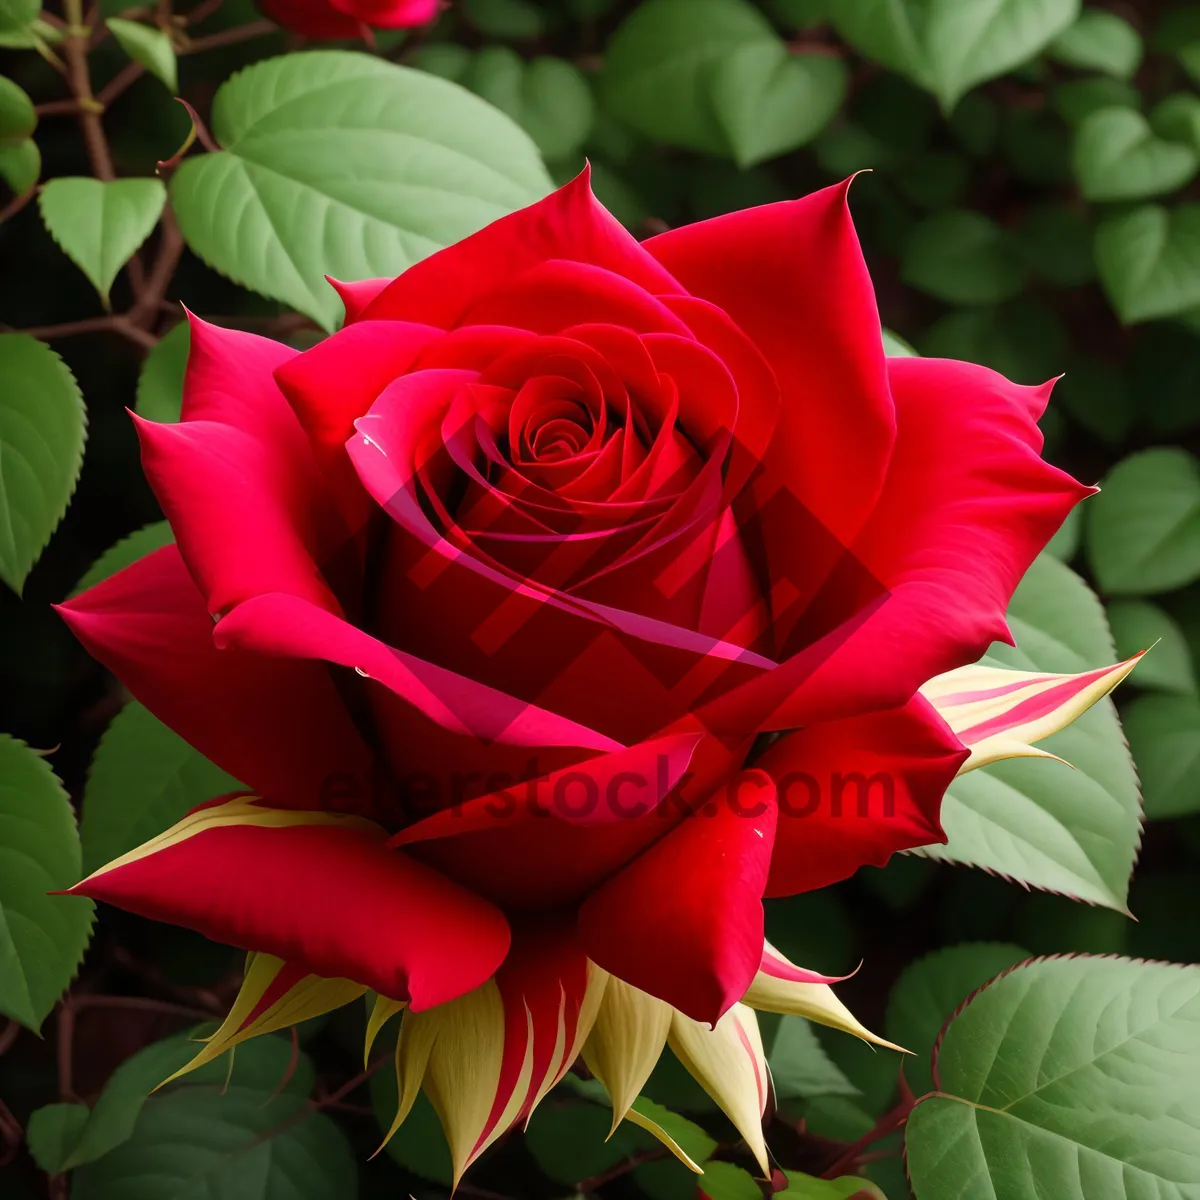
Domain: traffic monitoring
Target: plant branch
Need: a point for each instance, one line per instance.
(110, 324)
(75, 48)
(231, 37)
(17, 203)
(889, 1123)
(170, 249)
(11, 1135)
(124, 78)
(11, 1033)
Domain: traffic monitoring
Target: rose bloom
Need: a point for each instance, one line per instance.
(575, 597)
(348, 18)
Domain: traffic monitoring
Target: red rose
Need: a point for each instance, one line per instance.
(348, 18)
(572, 598)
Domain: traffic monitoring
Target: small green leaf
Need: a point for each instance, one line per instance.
(808, 1187)
(52, 1133)
(1149, 261)
(125, 553)
(1177, 118)
(1073, 1078)
(42, 430)
(1144, 526)
(724, 1181)
(148, 46)
(419, 1145)
(1077, 99)
(1099, 41)
(571, 1143)
(1164, 734)
(1139, 625)
(143, 779)
(800, 1068)
(515, 20)
(894, 346)
(160, 385)
(16, 14)
(548, 97)
(1070, 829)
(930, 989)
(34, 36)
(100, 225)
(18, 119)
(1056, 243)
(963, 258)
(1064, 545)
(344, 164)
(1097, 395)
(42, 937)
(20, 165)
(770, 101)
(659, 66)
(934, 179)
(949, 46)
(1118, 157)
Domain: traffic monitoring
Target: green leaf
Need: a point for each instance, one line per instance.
(263, 1064)
(1071, 829)
(808, 1187)
(1099, 41)
(143, 779)
(949, 46)
(99, 225)
(1072, 1078)
(1118, 157)
(344, 164)
(930, 989)
(800, 1068)
(1064, 545)
(514, 19)
(963, 258)
(16, 14)
(239, 1142)
(1139, 625)
(1056, 243)
(419, 1145)
(1177, 118)
(1024, 340)
(770, 101)
(52, 1132)
(1077, 99)
(1144, 526)
(934, 179)
(1097, 395)
(1164, 734)
(571, 1143)
(34, 36)
(17, 117)
(894, 346)
(1149, 261)
(125, 553)
(548, 97)
(42, 430)
(724, 1181)
(160, 385)
(148, 46)
(660, 63)
(20, 165)
(42, 937)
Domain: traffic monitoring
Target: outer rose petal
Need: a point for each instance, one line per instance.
(278, 725)
(317, 889)
(390, 14)
(568, 224)
(313, 18)
(792, 276)
(854, 792)
(357, 294)
(684, 921)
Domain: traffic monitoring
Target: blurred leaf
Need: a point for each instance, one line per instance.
(1139, 625)
(344, 164)
(149, 46)
(975, 123)
(895, 346)
(1178, 33)
(1070, 829)
(1165, 374)
(548, 97)
(1024, 340)
(930, 989)
(42, 937)
(900, 115)
(1067, 1078)
(1144, 527)
(769, 100)
(419, 1145)
(16, 14)
(1050, 924)
(445, 59)
(20, 165)
(1164, 734)
(143, 779)
(849, 1187)
(1038, 147)
(569, 1142)
(724, 1181)
(934, 180)
(1096, 395)
(42, 431)
(1077, 99)
(845, 148)
(963, 258)
(799, 1065)
(262, 1064)
(1100, 41)
(1149, 261)
(125, 553)
(238, 1142)
(1056, 243)
(17, 117)
(1064, 545)
(508, 19)
(99, 225)
(1177, 117)
(951, 46)
(800, 14)
(160, 385)
(1118, 157)
(660, 63)
(51, 1133)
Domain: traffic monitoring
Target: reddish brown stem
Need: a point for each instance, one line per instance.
(11, 1032)
(231, 37)
(75, 48)
(17, 203)
(170, 248)
(55, 108)
(123, 79)
(10, 1135)
(112, 324)
(203, 11)
(889, 1123)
